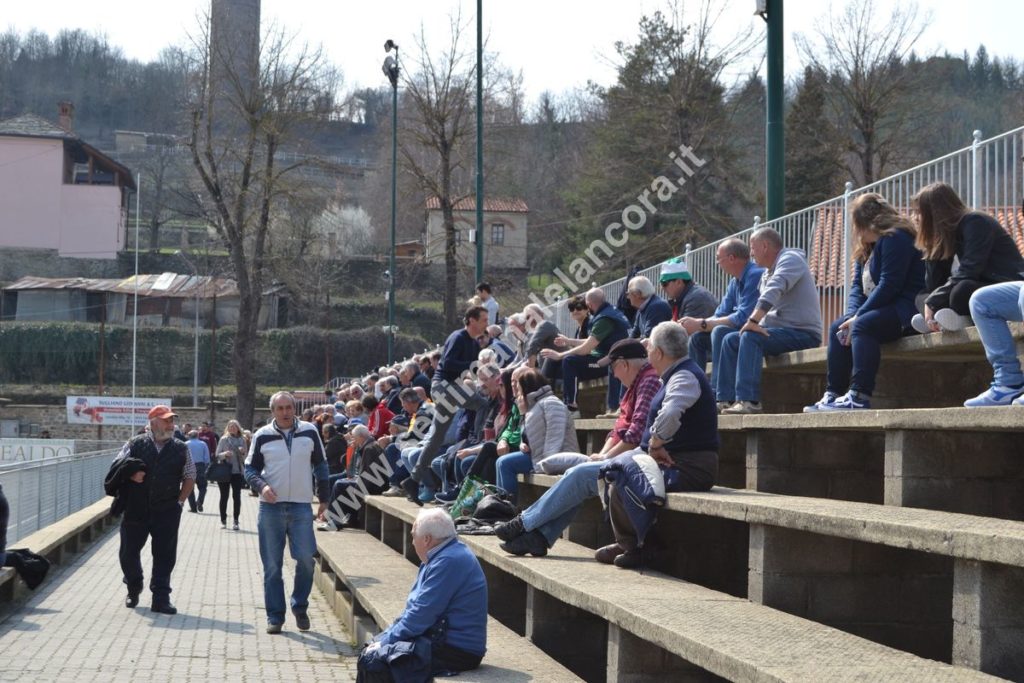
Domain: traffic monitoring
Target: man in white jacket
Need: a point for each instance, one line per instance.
(285, 457)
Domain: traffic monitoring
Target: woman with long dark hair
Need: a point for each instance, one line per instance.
(888, 275)
(964, 251)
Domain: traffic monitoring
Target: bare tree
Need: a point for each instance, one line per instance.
(243, 116)
(864, 54)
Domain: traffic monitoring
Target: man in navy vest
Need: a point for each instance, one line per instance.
(579, 360)
(681, 434)
(151, 478)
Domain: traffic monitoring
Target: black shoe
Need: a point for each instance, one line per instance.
(608, 553)
(192, 510)
(200, 508)
(301, 620)
(513, 528)
(132, 601)
(164, 608)
(631, 559)
(532, 542)
(412, 490)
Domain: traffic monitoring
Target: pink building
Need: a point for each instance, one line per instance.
(59, 192)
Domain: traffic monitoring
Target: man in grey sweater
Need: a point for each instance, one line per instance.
(787, 317)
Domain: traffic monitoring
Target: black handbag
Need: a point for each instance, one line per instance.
(219, 472)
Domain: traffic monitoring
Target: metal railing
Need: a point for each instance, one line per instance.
(987, 174)
(42, 492)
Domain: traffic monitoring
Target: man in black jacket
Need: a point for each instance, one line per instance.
(151, 478)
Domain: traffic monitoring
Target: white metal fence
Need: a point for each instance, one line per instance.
(987, 174)
(42, 492)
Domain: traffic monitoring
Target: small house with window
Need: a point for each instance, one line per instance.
(505, 232)
(58, 191)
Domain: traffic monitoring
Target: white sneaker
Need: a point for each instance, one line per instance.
(951, 321)
(327, 525)
(828, 399)
(723, 405)
(394, 492)
(1019, 401)
(995, 395)
(743, 408)
(918, 323)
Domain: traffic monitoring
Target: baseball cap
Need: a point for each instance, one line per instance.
(161, 411)
(675, 269)
(623, 349)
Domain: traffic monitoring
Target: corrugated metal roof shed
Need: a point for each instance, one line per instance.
(162, 285)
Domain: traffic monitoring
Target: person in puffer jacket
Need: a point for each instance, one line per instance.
(548, 429)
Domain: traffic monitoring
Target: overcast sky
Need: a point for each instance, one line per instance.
(557, 44)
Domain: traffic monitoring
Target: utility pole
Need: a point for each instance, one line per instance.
(775, 166)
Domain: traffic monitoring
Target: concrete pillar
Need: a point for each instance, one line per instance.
(372, 520)
(732, 456)
(841, 465)
(988, 622)
(392, 533)
(976, 473)
(506, 598)
(590, 528)
(889, 595)
(408, 549)
(576, 638)
(632, 660)
(721, 563)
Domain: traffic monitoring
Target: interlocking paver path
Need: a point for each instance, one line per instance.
(76, 628)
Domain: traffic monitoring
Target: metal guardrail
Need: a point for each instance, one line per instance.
(41, 492)
(987, 174)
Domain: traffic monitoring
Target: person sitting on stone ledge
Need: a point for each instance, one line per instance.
(888, 275)
(984, 254)
(787, 317)
(540, 525)
(651, 309)
(443, 628)
(992, 307)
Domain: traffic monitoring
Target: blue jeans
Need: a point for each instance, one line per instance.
(704, 344)
(991, 308)
(855, 366)
(575, 368)
(508, 467)
(554, 511)
(741, 359)
(276, 522)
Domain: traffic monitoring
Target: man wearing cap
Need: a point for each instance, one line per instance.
(651, 309)
(685, 297)
(706, 332)
(541, 524)
(153, 476)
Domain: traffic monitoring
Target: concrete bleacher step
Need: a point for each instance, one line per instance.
(656, 626)
(55, 540)
(362, 576)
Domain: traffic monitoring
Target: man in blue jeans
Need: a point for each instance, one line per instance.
(992, 308)
(786, 317)
(540, 525)
(284, 459)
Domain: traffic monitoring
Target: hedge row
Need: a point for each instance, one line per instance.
(69, 353)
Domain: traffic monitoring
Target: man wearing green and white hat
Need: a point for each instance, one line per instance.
(686, 297)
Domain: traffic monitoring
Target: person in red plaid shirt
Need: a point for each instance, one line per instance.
(537, 528)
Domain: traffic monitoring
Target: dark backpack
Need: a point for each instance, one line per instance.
(32, 568)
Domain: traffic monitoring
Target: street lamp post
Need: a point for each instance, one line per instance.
(195, 368)
(390, 68)
(479, 141)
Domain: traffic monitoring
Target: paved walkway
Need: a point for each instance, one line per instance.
(76, 627)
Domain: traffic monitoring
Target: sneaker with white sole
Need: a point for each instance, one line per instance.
(995, 395)
(919, 325)
(722, 405)
(743, 408)
(394, 492)
(951, 321)
(327, 525)
(828, 399)
(848, 401)
(1019, 401)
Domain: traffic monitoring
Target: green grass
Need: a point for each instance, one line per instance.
(539, 281)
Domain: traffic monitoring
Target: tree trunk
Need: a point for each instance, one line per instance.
(451, 266)
(243, 355)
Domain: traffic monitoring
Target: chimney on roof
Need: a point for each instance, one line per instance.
(66, 115)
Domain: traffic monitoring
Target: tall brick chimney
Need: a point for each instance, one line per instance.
(66, 115)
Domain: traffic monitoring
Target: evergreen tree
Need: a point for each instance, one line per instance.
(813, 146)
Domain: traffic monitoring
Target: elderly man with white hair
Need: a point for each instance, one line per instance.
(444, 623)
(607, 326)
(371, 471)
(504, 351)
(651, 309)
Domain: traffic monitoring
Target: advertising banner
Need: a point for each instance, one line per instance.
(110, 410)
(23, 450)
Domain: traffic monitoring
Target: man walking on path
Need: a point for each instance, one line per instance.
(201, 457)
(151, 478)
(284, 459)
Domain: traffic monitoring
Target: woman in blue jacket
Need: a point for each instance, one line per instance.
(888, 274)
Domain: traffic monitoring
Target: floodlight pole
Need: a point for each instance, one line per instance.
(775, 164)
